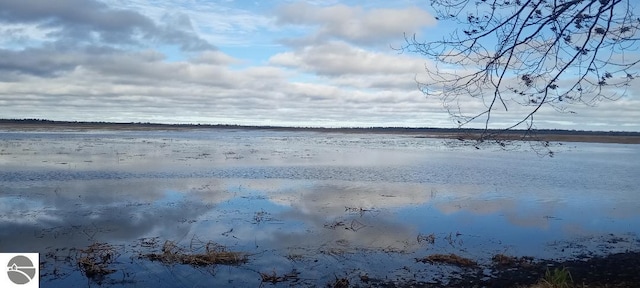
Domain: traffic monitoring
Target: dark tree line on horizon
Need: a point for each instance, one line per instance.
(351, 129)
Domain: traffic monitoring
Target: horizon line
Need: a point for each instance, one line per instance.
(276, 127)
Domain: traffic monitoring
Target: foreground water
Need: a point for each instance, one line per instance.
(307, 208)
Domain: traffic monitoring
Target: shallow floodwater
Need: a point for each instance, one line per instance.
(317, 206)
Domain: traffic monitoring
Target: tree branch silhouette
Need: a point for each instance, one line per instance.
(528, 53)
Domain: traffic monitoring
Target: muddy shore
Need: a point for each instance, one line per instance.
(100, 263)
(614, 270)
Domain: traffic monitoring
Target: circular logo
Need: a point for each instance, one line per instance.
(21, 270)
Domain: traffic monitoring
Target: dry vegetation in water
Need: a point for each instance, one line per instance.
(98, 262)
(450, 259)
(430, 239)
(94, 261)
(503, 260)
(273, 277)
(213, 254)
(340, 283)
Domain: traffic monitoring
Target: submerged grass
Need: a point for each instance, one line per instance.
(511, 261)
(94, 261)
(339, 283)
(213, 254)
(274, 278)
(430, 239)
(97, 263)
(450, 259)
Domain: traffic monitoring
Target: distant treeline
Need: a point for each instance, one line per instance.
(86, 123)
(458, 131)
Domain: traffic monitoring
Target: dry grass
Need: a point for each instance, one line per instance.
(558, 278)
(271, 277)
(95, 259)
(450, 259)
(511, 261)
(340, 283)
(274, 278)
(430, 239)
(213, 254)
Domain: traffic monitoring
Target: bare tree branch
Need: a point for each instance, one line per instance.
(531, 53)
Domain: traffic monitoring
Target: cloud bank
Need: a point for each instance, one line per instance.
(277, 63)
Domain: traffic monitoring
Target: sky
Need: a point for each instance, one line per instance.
(278, 63)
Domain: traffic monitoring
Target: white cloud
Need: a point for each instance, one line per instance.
(339, 58)
(214, 58)
(355, 24)
(220, 23)
(224, 62)
(79, 22)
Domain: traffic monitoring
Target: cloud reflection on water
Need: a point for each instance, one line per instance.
(278, 193)
(74, 213)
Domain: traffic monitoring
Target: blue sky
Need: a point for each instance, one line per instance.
(286, 63)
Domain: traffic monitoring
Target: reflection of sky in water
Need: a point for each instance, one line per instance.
(332, 202)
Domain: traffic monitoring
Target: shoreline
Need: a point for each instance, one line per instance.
(502, 271)
(618, 137)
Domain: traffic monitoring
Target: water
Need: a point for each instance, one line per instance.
(314, 205)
